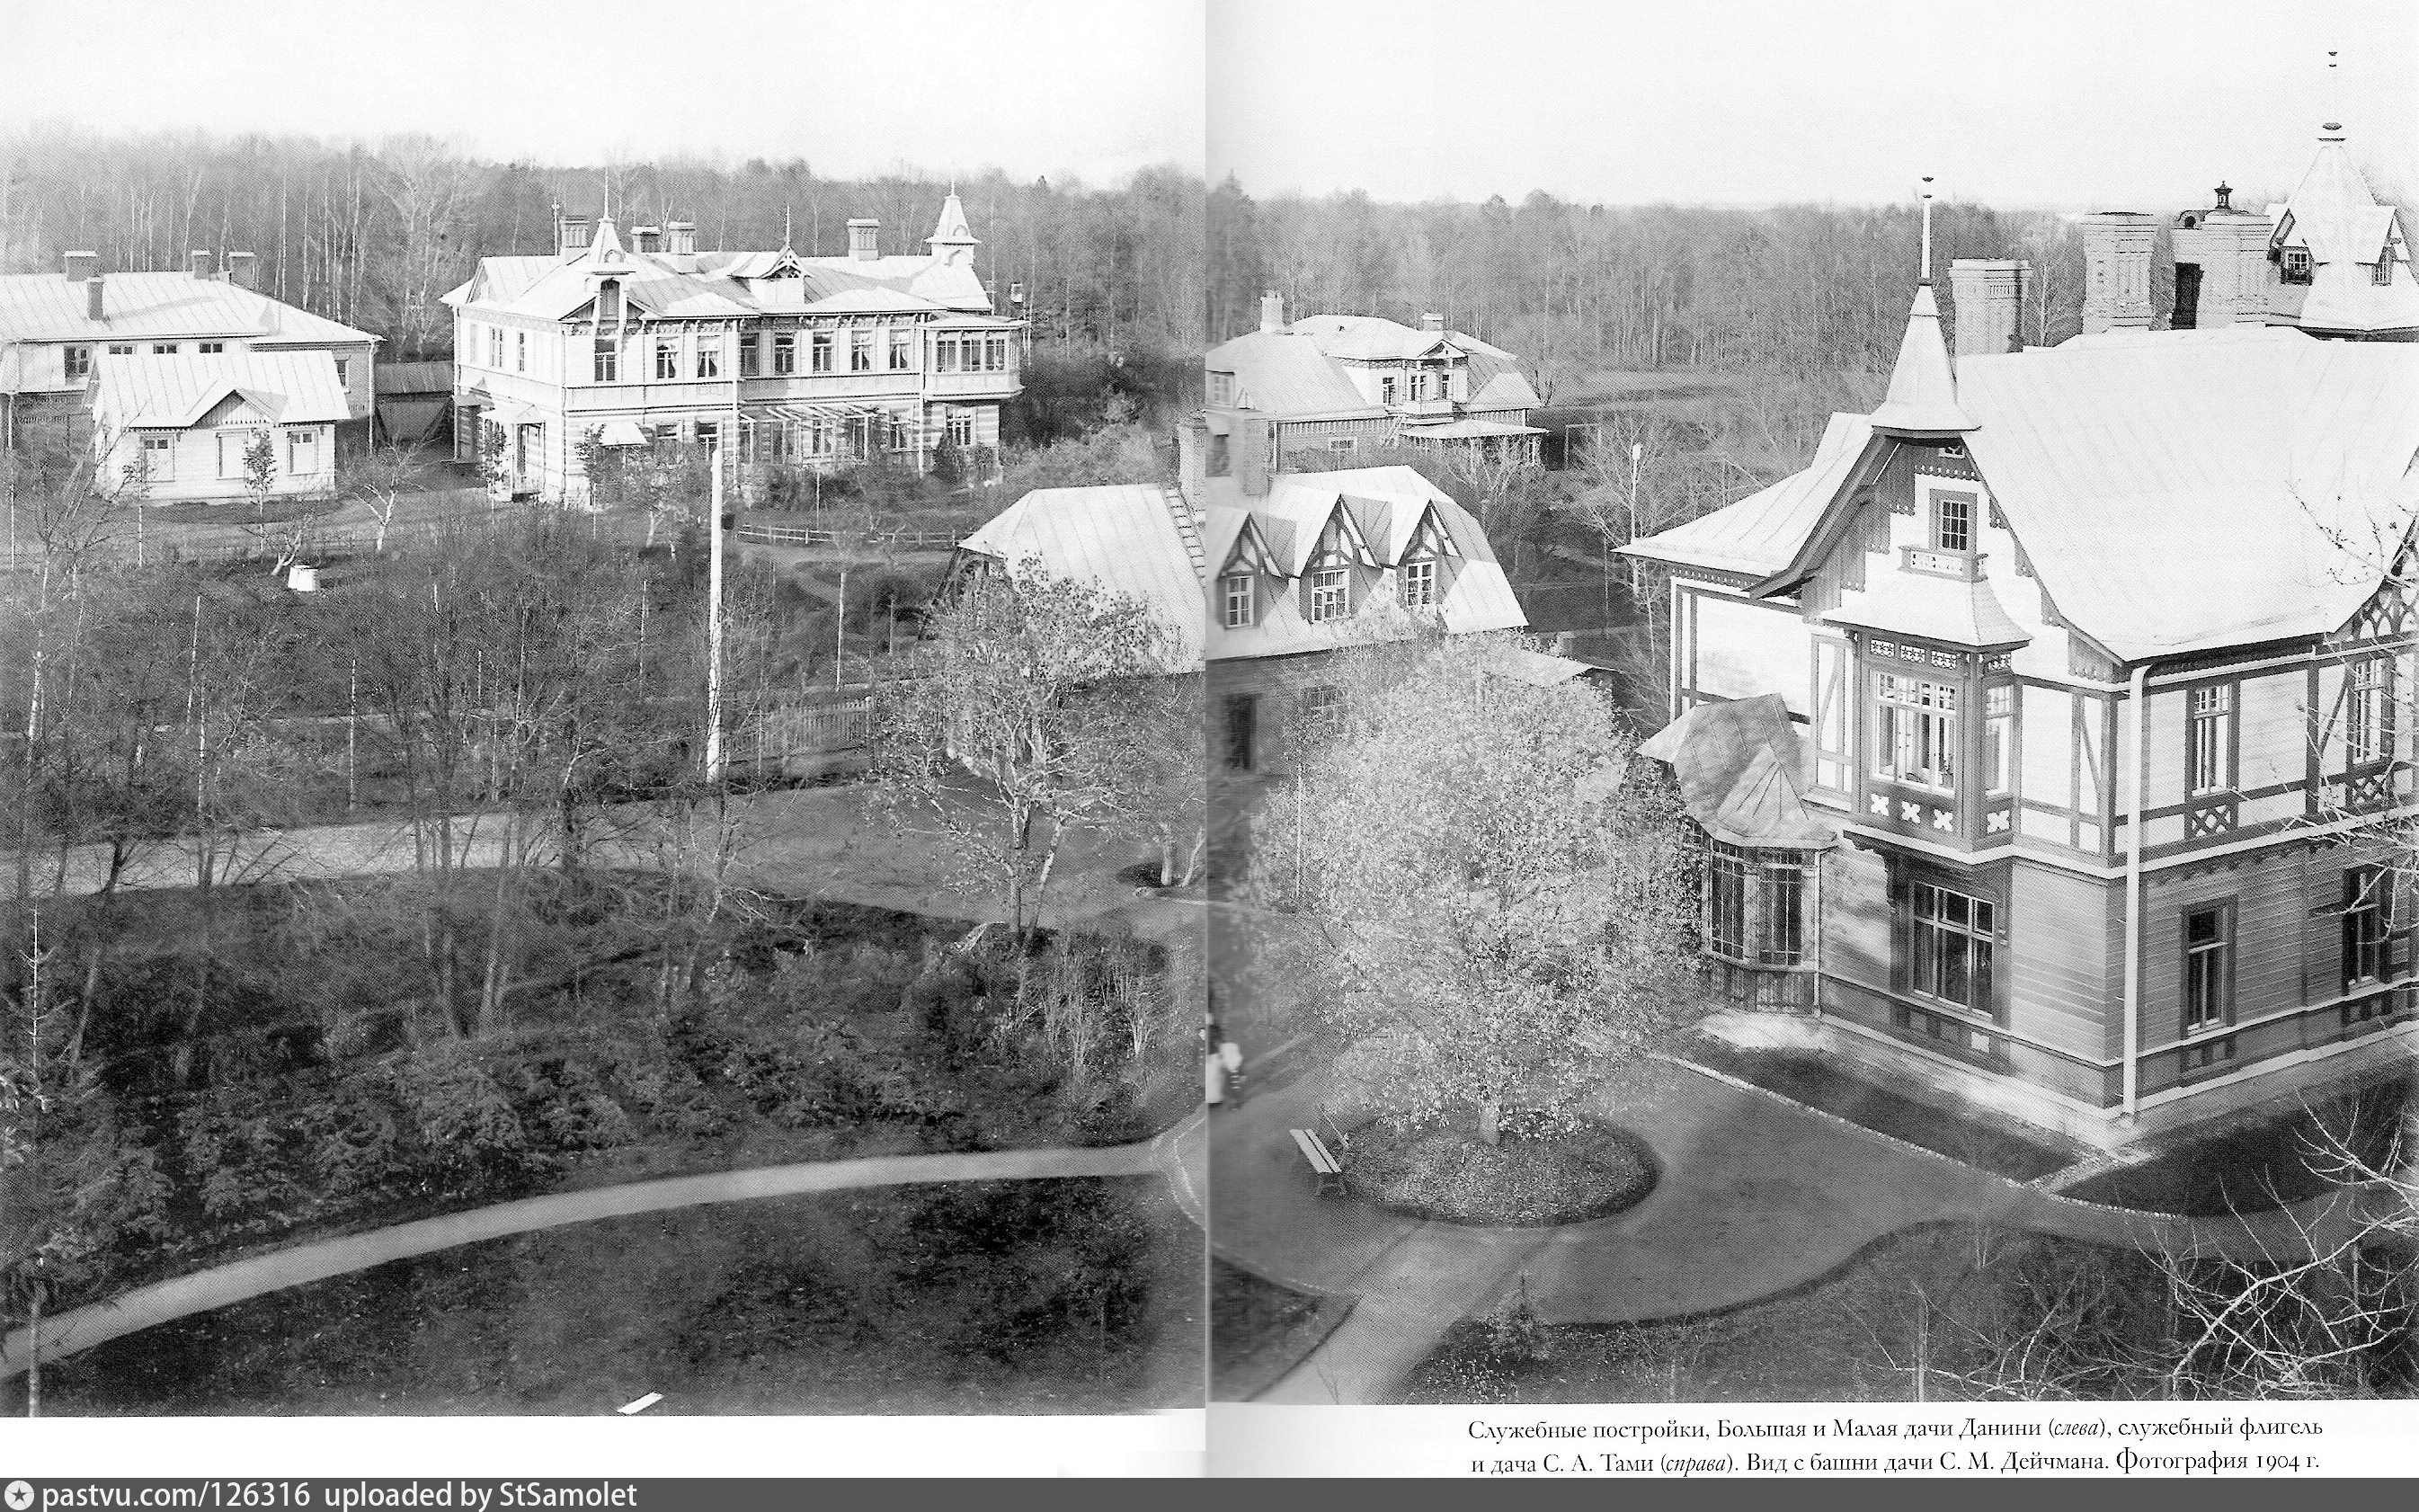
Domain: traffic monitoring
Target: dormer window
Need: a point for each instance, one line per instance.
(1222, 388)
(608, 300)
(1953, 521)
(1419, 580)
(2382, 274)
(2294, 266)
(1331, 594)
(1235, 589)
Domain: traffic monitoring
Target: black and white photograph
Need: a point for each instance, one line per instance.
(1252, 733)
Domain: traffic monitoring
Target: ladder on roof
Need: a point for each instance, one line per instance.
(1181, 512)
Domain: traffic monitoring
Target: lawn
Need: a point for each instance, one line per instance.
(2019, 1155)
(1013, 1297)
(281, 1063)
(1259, 1330)
(2267, 1162)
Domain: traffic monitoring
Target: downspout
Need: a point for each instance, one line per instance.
(2134, 774)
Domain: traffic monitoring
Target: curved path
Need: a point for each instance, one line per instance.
(240, 1280)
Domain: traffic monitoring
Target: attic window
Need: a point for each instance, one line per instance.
(1221, 388)
(2382, 274)
(1237, 589)
(1329, 595)
(1955, 452)
(2296, 265)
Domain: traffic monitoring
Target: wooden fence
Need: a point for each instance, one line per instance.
(805, 734)
(802, 535)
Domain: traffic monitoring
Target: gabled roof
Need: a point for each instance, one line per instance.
(286, 388)
(2333, 214)
(1387, 508)
(1125, 537)
(1759, 535)
(1737, 765)
(154, 307)
(1371, 337)
(1282, 374)
(2173, 491)
(1932, 609)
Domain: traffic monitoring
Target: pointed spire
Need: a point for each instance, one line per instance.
(952, 230)
(1922, 388)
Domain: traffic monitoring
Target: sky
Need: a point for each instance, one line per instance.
(2072, 103)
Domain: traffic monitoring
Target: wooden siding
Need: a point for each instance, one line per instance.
(2060, 987)
(1855, 916)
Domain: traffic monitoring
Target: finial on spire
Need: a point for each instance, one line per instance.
(785, 228)
(2335, 99)
(1926, 275)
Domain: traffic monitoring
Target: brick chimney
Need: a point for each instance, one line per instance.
(241, 269)
(92, 298)
(864, 240)
(201, 262)
(1192, 458)
(681, 236)
(1432, 321)
(2117, 250)
(573, 232)
(1273, 311)
(647, 237)
(1989, 299)
(2222, 269)
(82, 265)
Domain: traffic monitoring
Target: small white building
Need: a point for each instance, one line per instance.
(179, 426)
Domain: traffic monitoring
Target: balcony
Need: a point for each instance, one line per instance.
(1423, 408)
(1959, 567)
(971, 385)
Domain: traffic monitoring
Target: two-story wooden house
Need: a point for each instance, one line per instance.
(782, 358)
(1343, 383)
(2093, 660)
(59, 331)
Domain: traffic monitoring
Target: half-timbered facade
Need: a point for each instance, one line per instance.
(2098, 656)
(780, 359)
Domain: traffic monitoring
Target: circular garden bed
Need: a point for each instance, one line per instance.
(1561, 1175)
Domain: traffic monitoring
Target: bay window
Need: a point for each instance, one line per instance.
(1916, 732)
(1756, 905)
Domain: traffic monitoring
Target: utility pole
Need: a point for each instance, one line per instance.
(714, 630)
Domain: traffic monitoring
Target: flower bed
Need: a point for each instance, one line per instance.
(1555, 1173)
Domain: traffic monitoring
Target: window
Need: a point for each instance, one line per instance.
(2368, 711)
(960, 428)
(896, 434)
(301, 452)
(902, 350)
(79, 361)
(1222, 388)
(667, 359)
(1952, 522)
(2212, 738)
(861, 350)
(1419, 583)
(748, 357)
(1237, 587)
(1756, 906)
(709, 434)
(823, 351)
(1998, 739)
(1953, 946)
(994, 354)
(1444, 385)
(163, 349)
(231, 446)
(1242, 717)
(2295, 267)
(1329, 594)
(214, 348)
(1385, 390)
(1916, 732)
(709, 357)
(2382, 274)
(785, 355)
(608, 300)
(159, 458)
(496, 348)
(1318, 713)
(343, 370)
(608, 360)
(520, 352)
(2209, 967)
(2366, 922)
(121, 350)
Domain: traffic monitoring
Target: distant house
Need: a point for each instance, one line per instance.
(1346, 383)
(1264, 579)
(182, 427)
(789, 360)
(58, 330)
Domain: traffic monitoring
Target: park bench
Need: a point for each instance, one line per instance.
(1323, 1165)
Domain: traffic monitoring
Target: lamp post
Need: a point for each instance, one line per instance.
(713, 629)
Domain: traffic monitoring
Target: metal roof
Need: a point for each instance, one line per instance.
(413, 377)
(1288, 376)
(2173, 491)
(155, 307)
(1934, 608)
(1737, 766)
(173, 393)
(1923, 398)
(1125, 538)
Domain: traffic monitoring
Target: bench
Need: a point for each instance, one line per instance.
(1322, 1164)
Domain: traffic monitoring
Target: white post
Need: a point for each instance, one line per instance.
(1926, 276)
(714, 630)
